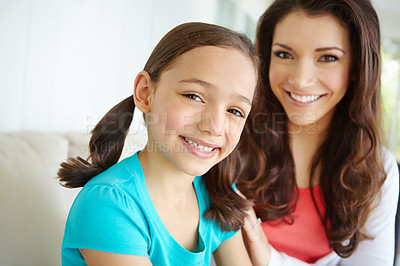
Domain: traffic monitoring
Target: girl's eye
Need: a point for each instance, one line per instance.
(283, 55)
(236, 113)
(328, 58)
(193, 97)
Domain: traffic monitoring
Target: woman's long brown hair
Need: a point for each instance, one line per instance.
(109, 135)
(351, 168)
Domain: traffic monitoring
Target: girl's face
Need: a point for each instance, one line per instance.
(310, 67)
(199, 107)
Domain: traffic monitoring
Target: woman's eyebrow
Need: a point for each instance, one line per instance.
(321, 49)
(324, 49)
(282, 45)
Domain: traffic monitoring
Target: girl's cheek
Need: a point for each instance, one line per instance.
(175, 121)
(235, 130)
(171, 121)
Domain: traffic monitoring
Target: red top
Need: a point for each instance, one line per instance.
(305, 239)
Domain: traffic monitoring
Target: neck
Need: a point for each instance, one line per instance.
(166, 184)
(173, 196)
(304, 144)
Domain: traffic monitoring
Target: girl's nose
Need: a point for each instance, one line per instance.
(302, 74)
(213, 121)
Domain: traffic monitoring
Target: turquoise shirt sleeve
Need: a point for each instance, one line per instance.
(104, 218)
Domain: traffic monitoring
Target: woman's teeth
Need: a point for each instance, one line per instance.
(198, 146)
(304, 99)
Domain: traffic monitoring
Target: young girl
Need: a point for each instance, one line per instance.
(155, 207)
(322, 183)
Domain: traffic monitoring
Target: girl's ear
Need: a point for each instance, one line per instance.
(143, 91)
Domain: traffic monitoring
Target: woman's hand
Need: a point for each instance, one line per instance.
(255, 240)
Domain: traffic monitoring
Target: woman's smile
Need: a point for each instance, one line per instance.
(305, 98)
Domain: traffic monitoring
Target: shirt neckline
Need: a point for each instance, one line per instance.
(170, 242)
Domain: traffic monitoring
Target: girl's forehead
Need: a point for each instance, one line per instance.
(214, 67)
(206, 49)
(205, 58)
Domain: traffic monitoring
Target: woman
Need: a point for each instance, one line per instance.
(323, 185)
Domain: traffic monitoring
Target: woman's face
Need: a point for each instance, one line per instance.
(310, 67)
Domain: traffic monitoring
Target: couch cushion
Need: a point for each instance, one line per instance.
(32, 206)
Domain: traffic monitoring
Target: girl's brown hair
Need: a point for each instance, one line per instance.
(109, 135)
(351, 168)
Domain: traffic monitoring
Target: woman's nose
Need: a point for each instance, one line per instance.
(303, 74)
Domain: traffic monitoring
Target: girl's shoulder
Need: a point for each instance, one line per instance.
(119, 187)
(110, 209)
(121, 175)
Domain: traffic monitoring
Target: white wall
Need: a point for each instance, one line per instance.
(64, 63)
(389, 17)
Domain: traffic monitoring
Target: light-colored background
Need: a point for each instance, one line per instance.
(64, 63)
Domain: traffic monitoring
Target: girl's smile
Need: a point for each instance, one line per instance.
(200, 148)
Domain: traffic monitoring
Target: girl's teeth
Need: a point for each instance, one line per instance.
(304, 99)
(198, 146)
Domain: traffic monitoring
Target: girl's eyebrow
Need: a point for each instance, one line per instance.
(208, 85)
(203, 83)
(321, 49)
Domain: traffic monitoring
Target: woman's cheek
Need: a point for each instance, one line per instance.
(276, 73)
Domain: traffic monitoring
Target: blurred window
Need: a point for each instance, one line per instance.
(391, 93)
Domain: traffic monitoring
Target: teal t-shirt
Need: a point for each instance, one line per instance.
(114, 213)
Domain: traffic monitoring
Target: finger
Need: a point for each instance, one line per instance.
(252, 229)
(251, 216)
(240, 194)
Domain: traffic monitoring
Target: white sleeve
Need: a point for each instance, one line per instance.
(380, 225)
(280, 259)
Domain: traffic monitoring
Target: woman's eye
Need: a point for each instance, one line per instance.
(193, 97)
(283, 55)
(236, 113)
(328, 58)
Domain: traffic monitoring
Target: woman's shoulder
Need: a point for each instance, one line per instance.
(380, 223)
(389, 192)
(391, 168)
